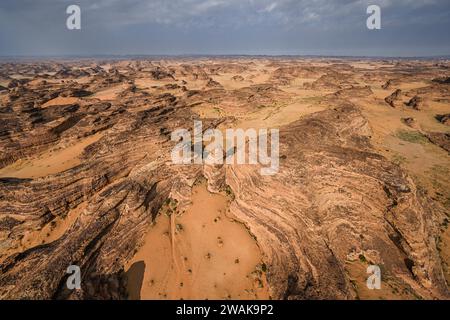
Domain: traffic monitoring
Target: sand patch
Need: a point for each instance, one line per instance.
(390, 289)
(109, 94)
(149, 83)
(207, 110)
(230, 84)
(50, 162)
(279, 115)
(60, 101)
(418, 156)
(53, 230)
(201, 254)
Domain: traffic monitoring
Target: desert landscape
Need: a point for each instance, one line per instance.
(86, 179)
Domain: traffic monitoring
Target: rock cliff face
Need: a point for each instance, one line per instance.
(334, 200)
(123, 179)
(85, 168)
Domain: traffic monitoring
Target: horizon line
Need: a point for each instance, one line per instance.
(215, 55)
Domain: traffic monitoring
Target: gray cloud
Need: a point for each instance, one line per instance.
(410, 27)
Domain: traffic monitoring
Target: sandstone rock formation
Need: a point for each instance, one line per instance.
(440, 139)
(410, 122)
(86, 168)
(393, 98)
(415, 103)
(444, 118)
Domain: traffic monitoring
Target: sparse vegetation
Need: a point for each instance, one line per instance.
(229, 192)
(445, 223)
(218, 110)
(412, 136)
(438, 175)
(399, 159)
(261, 268)
(362, 258)
(169, 207)
(312, 99)
(259, 283)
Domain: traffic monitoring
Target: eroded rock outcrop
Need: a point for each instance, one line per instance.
(335, 203)
(342, 198)
(444, 118)
(394, 98)
(416, 103)
(440, 139)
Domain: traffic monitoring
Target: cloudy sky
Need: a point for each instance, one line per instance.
(265, 27)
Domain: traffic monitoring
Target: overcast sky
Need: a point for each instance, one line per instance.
(266, 27)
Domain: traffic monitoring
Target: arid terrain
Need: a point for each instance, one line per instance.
(86, 179)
